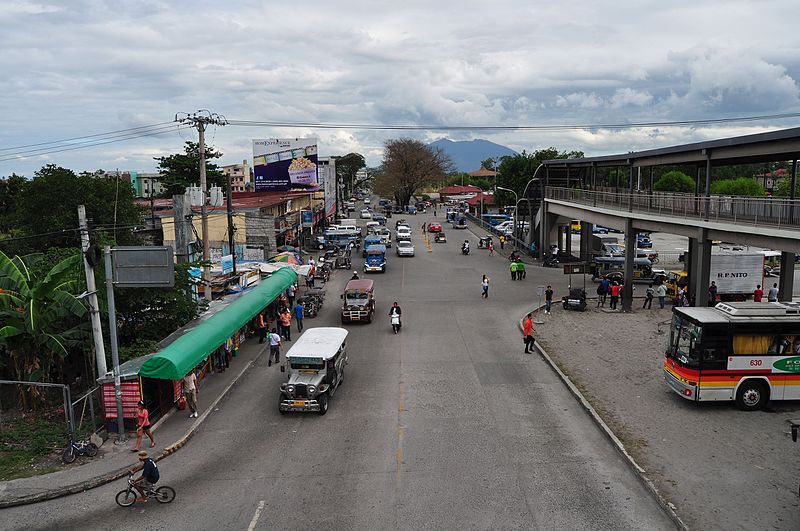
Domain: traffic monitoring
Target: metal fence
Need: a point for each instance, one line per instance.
(751, 211)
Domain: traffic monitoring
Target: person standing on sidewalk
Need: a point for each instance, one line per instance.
(285, 319)
(758, 294)
(290, 291)
(772, 296)
(142, 427)
(614, 295)
(662, 295)
(520, 269)
(299, 313)
(491, 249)
(648, 297)
(502, 239)
(513, 268)
(485, 287)
(548, 299)
(527, 333)
(261, 325)
(606, 290)
(274, 347)
(190, 392)
(712, 294)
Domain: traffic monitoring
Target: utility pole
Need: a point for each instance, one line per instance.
(231, 239)
(201, 119)
(112, 329)
(91, 296)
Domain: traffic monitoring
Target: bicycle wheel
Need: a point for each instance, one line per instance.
(165, 494)
(68, 455)
(125, 498)
(91, 449)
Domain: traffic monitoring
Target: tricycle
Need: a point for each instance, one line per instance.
(440, 238)
(484, 241)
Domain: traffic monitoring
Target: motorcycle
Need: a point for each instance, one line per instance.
(395, 323)
(550, 261)
(465, 249)
(653, 257)
(484, 241)
(576, 300)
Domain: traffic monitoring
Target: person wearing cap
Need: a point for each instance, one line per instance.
(142, 426)
(149, 477)
(355, 276)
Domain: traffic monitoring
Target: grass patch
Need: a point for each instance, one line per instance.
(27, 441)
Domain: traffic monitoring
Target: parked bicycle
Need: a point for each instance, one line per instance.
(74, 449)
(127, 497)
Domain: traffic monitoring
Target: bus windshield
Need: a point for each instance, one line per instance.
(685, 340)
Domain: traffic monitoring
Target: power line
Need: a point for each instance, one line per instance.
(563, 127)
(85, 136)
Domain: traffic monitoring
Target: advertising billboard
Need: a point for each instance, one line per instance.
(281, 164)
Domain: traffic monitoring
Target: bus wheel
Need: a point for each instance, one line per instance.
(751, 396)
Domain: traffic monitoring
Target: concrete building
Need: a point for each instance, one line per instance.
(241, 176)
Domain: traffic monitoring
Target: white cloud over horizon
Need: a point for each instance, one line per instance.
(91, 66)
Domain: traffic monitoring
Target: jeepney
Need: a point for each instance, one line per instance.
(315, 365)
(358, 301)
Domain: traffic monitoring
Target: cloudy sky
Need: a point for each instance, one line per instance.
(77, 68)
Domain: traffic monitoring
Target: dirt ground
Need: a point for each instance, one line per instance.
(722, 468)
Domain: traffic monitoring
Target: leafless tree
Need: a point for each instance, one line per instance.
(407, 166)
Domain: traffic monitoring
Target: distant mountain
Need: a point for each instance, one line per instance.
(467, 155)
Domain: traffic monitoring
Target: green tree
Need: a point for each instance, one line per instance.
(11, 190)
(739, 186)
(674, 181)
(347, 168)
(181, 170)
(784, 187)
(47, 209)
(42, 318)
(409, 165)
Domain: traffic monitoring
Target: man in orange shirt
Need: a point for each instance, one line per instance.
(615, 289)
(285, 319)
(527, 333)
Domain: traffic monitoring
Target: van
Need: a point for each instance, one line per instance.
(316, 364)
(358, 301)
(371, 226)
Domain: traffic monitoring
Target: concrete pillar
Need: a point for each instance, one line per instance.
(183, 227)
(586, 241)
(630, 256)
(786, 283)
(690, 261)
(703, 269)
(568, 239)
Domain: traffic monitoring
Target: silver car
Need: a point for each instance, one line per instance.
(405, 248)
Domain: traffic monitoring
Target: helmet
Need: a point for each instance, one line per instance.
(141, 403)
(355, 272)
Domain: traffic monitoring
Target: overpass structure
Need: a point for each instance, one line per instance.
(768, 222)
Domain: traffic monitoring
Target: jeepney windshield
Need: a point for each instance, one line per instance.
(307, 363)
(356, 296)
(685, 338)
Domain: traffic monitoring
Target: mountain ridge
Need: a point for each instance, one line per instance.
(468, 154)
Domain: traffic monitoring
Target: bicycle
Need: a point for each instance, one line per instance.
(127, 497)
(75, 449)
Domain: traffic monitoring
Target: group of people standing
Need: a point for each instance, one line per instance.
(288, 310)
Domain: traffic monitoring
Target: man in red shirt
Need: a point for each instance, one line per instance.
(527, 333)
(758, 294)
(615, 288)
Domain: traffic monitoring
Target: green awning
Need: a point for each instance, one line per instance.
(178, 358)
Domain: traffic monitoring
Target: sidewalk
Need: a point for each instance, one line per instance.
(171, 432)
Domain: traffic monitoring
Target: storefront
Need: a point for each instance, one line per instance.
(156, 378)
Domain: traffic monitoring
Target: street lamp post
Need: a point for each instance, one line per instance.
(516, 206)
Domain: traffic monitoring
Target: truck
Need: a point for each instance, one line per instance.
(736, 274)
(605, 245)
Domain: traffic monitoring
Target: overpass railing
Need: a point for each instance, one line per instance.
(753, 211)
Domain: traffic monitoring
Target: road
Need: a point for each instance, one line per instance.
(446, 425)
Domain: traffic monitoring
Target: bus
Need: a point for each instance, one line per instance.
(341, 237)
(494, 219)
(747, 352)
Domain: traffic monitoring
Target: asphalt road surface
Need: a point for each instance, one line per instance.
(447, 425)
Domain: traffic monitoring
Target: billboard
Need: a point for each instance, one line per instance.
(280, 164)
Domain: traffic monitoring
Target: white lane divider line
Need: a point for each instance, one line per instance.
(256, 516)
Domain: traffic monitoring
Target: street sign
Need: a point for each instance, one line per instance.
(574, 269)
(227, 263)
(143, 267)
(307, 218)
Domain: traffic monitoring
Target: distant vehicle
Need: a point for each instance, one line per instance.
(736, 274)
(351, 205)
(376, 259)
(644, 243)
(435, 227)
(383, 202)
(402, 233)
(460, 222)
(597, 229)
(494, 219)
(412, 210)
(369, 241)
(575, 226)
(385, 236)
(371, 226)
(358, 301)
(405, 248)
(367, 201)
(380, 218)
(366, 214)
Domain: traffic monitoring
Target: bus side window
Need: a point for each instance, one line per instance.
(714, 352)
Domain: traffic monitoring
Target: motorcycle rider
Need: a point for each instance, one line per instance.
(394, 314)
(465, 247)
(355, 276)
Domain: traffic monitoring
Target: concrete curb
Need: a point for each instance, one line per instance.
(122, 472)
(640, 472)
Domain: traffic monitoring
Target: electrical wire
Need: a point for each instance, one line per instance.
(64, 140)
(563, 127)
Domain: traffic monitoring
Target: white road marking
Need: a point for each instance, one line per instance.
(256, 516)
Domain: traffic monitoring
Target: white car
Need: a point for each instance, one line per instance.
(385, 234)
(366, 214)
(367, 201)
(405, 248)
(402, 233)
